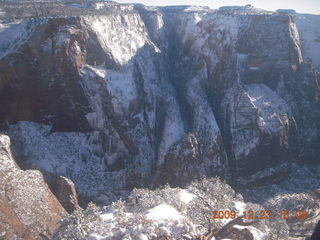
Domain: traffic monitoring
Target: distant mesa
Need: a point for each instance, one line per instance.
(286, 11)
(243, 9)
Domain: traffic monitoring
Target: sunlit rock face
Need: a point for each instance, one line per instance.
(28, 208)
(120, 96)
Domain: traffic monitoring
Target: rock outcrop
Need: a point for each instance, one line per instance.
(65, 191)
(28, 208)
(259, 125)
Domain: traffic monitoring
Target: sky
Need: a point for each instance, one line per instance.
(301, 6)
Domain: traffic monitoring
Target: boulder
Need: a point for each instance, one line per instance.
(28, 208)
(65, 191)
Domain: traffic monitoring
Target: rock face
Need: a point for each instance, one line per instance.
(117, 96)
(260, 124)
(10, 225)
(28, 209)
(65, 191)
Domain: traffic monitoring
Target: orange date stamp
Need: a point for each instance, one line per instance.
(260, 214)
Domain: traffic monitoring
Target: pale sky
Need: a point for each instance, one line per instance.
(301, 6)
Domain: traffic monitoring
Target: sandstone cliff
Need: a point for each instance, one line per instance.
(116, 96)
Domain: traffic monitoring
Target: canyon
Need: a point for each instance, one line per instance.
(122, 96)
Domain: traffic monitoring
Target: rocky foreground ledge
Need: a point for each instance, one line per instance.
(30, 211)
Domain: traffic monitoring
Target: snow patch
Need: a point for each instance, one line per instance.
(163, 212)
(186, 196)
(95, 237)
(120, 35)
(257, 234)
(107, 216)
(240, 207)
(254, 68)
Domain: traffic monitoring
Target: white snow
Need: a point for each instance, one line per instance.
(142, 237)
(163, 212)
(99, 5)
(107, 216)
(67, 154)
(261, 106)
(273, 109)
(173, 131)
(240, 207)
(203, 115)
(14, 34)
(186, 196)
(257, 234)
(254, 68)
(207, 30)
(244, 10)
(77, 5)
(6, 164)
(309, 31)
(95, 237)
(122, 85)
(120, 35)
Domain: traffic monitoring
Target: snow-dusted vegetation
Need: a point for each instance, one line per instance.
(168, 213)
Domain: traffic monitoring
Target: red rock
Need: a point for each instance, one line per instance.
(29, 210)
(65, 191)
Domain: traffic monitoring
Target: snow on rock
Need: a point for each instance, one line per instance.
(254, 68)
(163, 212)
(122, 86)
(247, 9)
(119, 35)
(240, 207)
(286, 11)
(173, 131)
(107, 216)
(257, 114)
(273, 114)
(274, 111)
(119, 83)
(14, 34)
(66, 154)
(186, 196)
(309, 32)
(203, 115)
(257, 234)
(160, 213)
(95, 237)
(149, 82)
